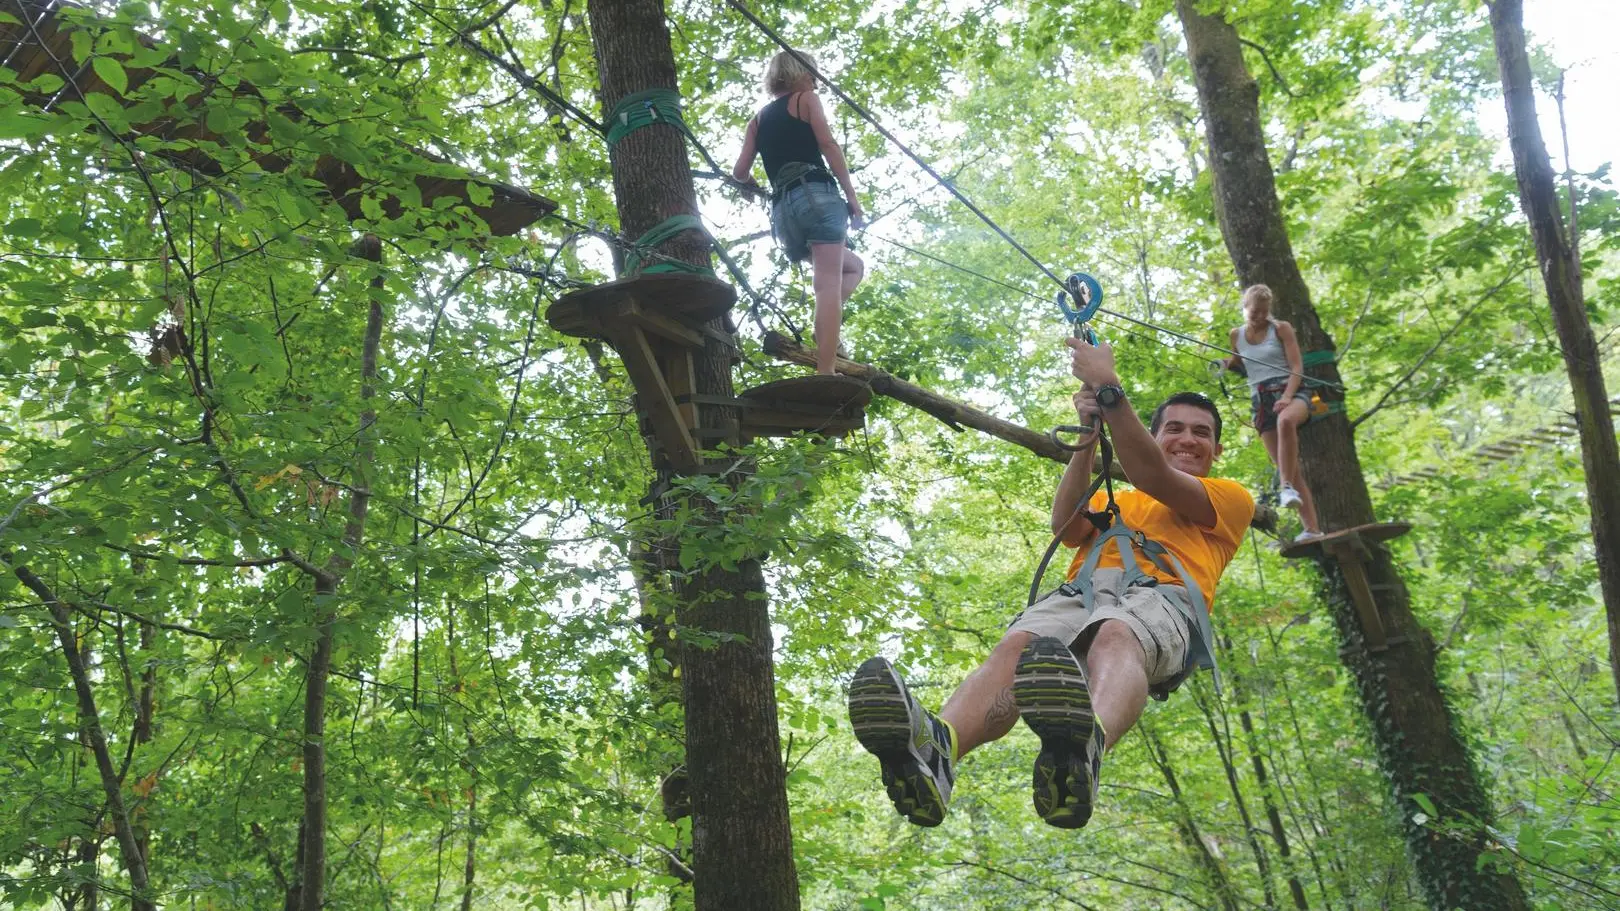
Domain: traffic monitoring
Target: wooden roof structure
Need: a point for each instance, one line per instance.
(40, 43)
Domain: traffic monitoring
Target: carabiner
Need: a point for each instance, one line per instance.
(1088, 296)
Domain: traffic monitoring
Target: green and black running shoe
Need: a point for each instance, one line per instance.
(1055, 701)
(912, 744)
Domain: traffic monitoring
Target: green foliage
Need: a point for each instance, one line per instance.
(181, 367)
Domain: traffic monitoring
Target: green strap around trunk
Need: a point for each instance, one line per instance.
(658, 234)
(643, 109)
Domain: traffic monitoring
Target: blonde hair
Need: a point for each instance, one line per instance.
(1256, 293)
(786, 72)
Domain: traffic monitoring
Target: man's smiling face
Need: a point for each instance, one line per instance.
(1187, 436)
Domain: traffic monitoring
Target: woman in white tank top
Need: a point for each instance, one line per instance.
(1269, 353)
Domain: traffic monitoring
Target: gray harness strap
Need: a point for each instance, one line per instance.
(1200, 653)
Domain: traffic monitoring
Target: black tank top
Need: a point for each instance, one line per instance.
(783, 138)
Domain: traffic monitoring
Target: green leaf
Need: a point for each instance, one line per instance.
(25, 227)
(112, 73)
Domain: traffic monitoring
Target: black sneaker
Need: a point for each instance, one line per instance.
(1055, 701)
(912, 744)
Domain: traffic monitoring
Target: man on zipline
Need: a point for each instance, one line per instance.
(1144, 633)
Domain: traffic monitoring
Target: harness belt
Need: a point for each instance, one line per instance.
(813, 175)
(1200, 653)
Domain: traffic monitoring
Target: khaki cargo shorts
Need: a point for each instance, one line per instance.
(1160, 616)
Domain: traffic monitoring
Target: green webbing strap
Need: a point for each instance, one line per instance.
(1316, 359)
(643, 109)
(656, 235)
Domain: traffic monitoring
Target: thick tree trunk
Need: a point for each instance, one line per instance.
(1416, 735)
(1561, 273)
(741, 838)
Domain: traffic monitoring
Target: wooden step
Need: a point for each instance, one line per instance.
(827, 405)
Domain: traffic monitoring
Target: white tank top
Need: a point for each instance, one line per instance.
(1265, 360)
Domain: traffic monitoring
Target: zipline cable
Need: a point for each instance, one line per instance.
(960, 197)
(867, 116)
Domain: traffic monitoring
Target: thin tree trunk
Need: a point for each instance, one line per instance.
(1561, 274)
(741, 837)
(90, 722)
(1227, 753)
(313, 832)
(1418, 743)
(142, 735)
(1214, 872)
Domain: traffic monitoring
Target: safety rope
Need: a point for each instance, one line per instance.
(1102, 520)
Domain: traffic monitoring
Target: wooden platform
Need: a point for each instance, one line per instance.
(828, 405)
(669, 304)
(28, 47)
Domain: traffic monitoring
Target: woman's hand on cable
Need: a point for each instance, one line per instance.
(857, 215)
(1282, 405)
(1090, 414)
(1091, 364)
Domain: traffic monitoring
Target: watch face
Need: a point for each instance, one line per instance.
(1109, 395)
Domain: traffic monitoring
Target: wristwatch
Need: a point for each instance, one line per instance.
(1110, 395)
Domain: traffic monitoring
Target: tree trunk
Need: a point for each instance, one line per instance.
(1227, 751)
(1416, 736)
(1187, 827)
(741, 838)
(90, 723)
(142, 735)
(316, 674)
(1561, 274)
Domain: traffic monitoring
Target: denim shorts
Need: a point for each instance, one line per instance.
(812, 212)
(1263, 399)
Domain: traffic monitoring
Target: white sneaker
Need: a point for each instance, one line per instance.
(1288, 497)
(1304, 536)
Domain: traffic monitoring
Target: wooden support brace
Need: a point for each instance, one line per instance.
(1352, 556)
(659, 325)
(655, 399)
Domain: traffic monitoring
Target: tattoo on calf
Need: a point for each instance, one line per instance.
(1003, 712)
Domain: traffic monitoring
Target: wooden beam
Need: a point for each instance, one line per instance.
(956, 415)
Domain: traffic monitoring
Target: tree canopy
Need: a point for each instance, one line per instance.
(202, 414)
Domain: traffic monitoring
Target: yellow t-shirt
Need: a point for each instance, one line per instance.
(1203, 551)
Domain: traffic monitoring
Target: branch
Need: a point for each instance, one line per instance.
(175, 627)
(1028, 882)
(1270, 66)
(197, 561)
(404, 58)
(1444, 337)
